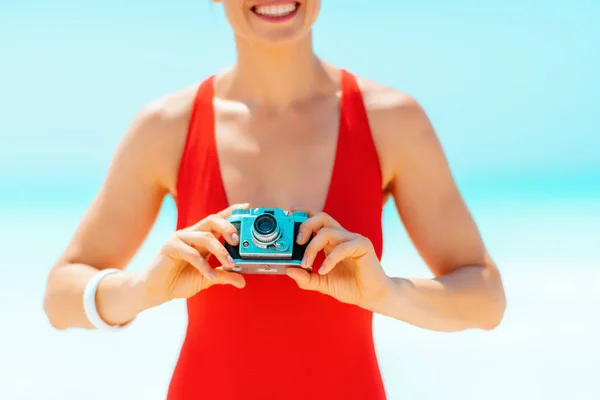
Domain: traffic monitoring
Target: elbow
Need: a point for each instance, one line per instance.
(494, 301)
(54, 298)
(494, 316)
(487, 319)
(52, 307)
(51, 314)
(485, 305)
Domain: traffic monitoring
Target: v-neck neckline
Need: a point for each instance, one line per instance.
(341, 137)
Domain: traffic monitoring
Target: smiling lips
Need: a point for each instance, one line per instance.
(276, 12)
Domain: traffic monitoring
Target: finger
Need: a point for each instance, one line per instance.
(325, 237)
(227, 278)
(206, 242)
(179, 250)
(306, 280)
(227, 212)
(354, 248)
(310, 211)
(219, 226)
(315, 224)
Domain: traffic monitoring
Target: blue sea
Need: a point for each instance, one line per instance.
(512, 89)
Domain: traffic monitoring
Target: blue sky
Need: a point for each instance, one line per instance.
(511, 87)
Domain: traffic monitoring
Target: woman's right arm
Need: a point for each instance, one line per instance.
(112, 230)
(143, 170)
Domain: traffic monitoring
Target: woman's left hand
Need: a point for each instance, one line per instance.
(351, 271)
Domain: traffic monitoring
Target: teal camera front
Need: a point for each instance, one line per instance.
(267, 240)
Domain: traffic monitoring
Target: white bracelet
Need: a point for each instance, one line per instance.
(89, 302)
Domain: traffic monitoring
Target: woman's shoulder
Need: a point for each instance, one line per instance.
(383, 102)
(392, 113)
(158, 132)
(169, 109)
(398, 122)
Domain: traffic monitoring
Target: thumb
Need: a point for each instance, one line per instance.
(304, 279)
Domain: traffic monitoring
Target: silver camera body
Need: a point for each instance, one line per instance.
(267, 240)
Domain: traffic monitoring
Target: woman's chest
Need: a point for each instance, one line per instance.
(277, 160)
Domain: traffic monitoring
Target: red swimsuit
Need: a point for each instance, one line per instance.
(272, 340)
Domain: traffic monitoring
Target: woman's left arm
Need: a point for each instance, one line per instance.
(466, 290)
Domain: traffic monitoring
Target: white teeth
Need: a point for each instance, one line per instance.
(279, 10)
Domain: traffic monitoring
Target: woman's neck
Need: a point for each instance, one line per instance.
(277, 76)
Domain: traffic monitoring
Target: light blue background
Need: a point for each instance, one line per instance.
(512, 87)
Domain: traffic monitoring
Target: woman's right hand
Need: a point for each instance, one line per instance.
(181, 269)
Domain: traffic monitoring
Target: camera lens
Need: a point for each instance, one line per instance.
(265, 229)
(265, 224)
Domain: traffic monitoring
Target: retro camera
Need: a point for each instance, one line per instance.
(267, 240)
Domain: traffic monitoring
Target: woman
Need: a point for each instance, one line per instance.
(281, 128)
